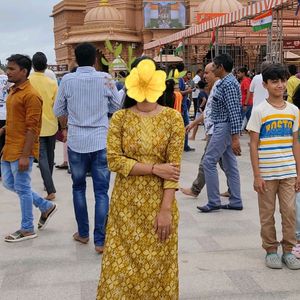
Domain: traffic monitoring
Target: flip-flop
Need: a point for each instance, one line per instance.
(43, 221)
(19, 236)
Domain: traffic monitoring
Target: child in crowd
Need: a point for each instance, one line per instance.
(275, 158)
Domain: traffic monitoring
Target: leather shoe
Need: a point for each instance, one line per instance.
(207, 209)
(189, 149)
(228, 206)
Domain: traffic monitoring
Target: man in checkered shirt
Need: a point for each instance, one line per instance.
(227, 118)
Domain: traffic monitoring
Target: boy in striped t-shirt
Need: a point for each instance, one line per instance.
(275, 158)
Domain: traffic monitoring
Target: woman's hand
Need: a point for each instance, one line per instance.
(163, 224)
(167, 171)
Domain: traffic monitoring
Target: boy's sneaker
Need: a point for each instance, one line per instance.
(273, 261)
(291, 261)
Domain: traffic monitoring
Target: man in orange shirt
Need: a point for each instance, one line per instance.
(23, 125)
(247, 103)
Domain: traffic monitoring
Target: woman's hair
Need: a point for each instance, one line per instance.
(129, 102)
(296, 96)
(168, 97)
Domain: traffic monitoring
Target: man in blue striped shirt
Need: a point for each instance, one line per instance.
(224, 143)
(84, 100)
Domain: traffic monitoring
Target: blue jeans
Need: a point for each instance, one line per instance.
(186, 121)
(96, 163)
(246, 113)
(20, 183)
(220, 147)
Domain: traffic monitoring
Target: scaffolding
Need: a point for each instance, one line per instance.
(274, 38)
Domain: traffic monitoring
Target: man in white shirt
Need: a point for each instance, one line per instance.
(257, 89)
(197, 78)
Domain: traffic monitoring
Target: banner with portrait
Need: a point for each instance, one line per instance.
(164, 14)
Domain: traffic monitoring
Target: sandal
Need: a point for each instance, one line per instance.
(46, 216)
(50, 197)
(78, 238)
(19, 236)
(63, 166)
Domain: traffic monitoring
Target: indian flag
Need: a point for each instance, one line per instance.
(179, 48)
(262, 21)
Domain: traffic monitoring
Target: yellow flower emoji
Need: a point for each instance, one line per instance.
(145, 83)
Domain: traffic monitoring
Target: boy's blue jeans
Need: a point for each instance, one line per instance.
(96, 163)
(20, 183)
(298, 217)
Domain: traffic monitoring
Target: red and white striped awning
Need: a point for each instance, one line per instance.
(229, 18)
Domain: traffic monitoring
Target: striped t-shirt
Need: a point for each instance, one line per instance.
(275, 128)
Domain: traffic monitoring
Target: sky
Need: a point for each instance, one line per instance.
(26, 27)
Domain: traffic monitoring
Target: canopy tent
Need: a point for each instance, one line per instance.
(288, 55)
(225, 20)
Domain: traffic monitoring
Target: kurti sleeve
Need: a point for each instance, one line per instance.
(175, 147)
(117, 160)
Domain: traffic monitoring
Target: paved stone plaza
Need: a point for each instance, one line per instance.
(220, 255)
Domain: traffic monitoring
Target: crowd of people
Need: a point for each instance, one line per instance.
(137, 229)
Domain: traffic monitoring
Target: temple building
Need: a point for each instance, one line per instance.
(130, 22)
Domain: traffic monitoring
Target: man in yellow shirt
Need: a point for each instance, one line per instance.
(47, 88)
(292, 83)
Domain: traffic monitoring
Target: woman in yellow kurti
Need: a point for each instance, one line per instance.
(144, 148)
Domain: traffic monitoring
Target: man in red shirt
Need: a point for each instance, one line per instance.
(247, 104)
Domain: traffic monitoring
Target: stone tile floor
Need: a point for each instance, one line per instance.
(220, 254)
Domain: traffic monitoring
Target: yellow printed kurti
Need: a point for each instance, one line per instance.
(135, 264)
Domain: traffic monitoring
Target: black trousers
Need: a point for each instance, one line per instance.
(46, 161)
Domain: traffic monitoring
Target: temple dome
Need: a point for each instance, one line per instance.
(104, 14)
(219, 6)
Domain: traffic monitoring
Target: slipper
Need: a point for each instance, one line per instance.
(62, 167)
(44, 219)
(19, 236)
(225, 194)
(50, 197)
(78, 238)
(228, 206)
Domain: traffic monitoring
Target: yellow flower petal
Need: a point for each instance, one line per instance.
(152, 95)
(158, 81)
(146, 69)
(137, 93)
(132, 79)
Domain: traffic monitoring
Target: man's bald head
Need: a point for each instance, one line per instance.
(209, 76)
